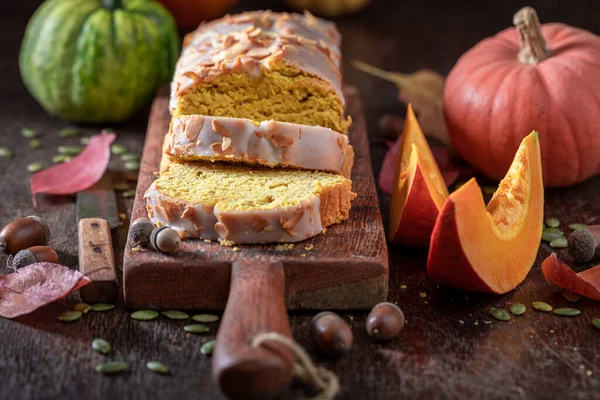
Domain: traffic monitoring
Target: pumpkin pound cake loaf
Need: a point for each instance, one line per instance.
(237, 203)
(262, 66)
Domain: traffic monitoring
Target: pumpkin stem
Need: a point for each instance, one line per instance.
(112, 5)
(533, 45)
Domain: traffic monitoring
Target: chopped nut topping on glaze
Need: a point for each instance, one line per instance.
(187, 213)
(226, 143)
(193, 128)
(161, 212)
(259, 133)
(150, 211)
(290, 224)
(221, 230)
(220, 128)
(259, 224)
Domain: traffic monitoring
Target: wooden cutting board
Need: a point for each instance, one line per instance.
(345, 268)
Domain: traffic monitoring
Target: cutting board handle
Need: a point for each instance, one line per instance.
(255, 305)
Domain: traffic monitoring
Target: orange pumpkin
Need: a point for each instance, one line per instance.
(190, 13)
(529, 77)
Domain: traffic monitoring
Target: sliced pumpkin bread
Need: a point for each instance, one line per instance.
(271, 143)
(237, 203)
(262, 66)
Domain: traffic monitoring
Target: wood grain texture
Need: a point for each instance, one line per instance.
(345, 268)
(97, 261)
(255, 305)
(535, 356)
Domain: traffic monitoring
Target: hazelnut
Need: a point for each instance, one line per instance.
(165, 239)
(140, 231)
(331, 333)
(32, 255)
(385, 321)
(23, 233)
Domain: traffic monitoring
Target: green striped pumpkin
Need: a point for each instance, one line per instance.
(97, 61)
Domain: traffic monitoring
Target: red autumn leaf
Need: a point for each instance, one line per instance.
(36, 285)
(585, 283)
(386, 176)
(80, 173)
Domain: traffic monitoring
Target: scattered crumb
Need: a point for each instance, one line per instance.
(422, 295)
(406, 321)
(155, 173)
(207, 241)
(551, 330)
(531, 336)
(574, 348)
(589, 372)
(476, 323)
(122, 216)
(284, 247)
(235, 249)
(135, 249)
(303, 255)
(425, 302)
(227, 243)
(309, 247)
(487, 322)
(460, 321)
(581, 366)
(403, 287)
(350, 317)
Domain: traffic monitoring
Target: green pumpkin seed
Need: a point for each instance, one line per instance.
(69, 316)
(567, 312)
(84, 141)
(113, 367)
(207, 348)
(550, 236)
(554, 230)
(132, 165)
(205, 318)
(129, 193)
(60, 158)
(101, 346)
(596, 323)
(196, 328)
(500, 315)
(144, 315)
(118, 149)
(28, 133)
(35, 167)
(69, 150)
(518, 309)
(35, 144)
(570, 296)
(488, 189)
(576, 226)
(130, 157)
(173, 314)
(102, 307)
(157, 366)
(552, 222)
(5, 152)
(82, 307)
(68, 132)
(559, 243)
(541, 306)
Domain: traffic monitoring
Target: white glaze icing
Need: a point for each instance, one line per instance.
(283, 224)
(268, 142)
(254, 41)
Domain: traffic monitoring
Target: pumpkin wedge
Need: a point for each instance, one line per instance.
(419, 190)
(491, 249)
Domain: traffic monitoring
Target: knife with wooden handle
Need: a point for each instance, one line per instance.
(97, 215)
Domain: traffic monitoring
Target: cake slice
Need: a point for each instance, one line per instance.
(262, 66)
(237, 203)
(271, 143)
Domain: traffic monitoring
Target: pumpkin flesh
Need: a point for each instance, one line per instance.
(419, 189)
(491, 249)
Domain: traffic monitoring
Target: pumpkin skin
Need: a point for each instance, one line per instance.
(190, 13)
(91, 61)
(492, 100)
(328, 8)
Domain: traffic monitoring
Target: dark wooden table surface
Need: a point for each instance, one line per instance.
(450, 347)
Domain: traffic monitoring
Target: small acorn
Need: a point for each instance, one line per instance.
(331, 333)
(32, 255)
(584, 244)
(23, 233)
(165, 239)
(385, 321)
(140, 231)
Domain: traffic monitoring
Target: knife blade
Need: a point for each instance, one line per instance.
(96, 215)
